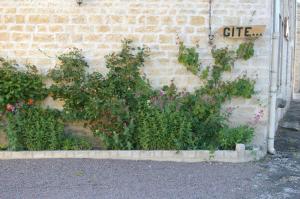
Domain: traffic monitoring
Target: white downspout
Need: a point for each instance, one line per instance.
(294, 45)
(273, 78)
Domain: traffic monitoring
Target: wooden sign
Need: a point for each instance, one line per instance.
(240, 32)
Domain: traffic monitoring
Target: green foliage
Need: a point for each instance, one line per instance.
(229, 137)
(224, 61)
(224, 58)
(72, 68)
(241, 87)
(34, 128)
(119, 141)
(75, 143)
(122, 108)
(204, 106)
(19, 86)
(124, 80)
(205, 73)
(125, 92)
(245, 51)
(189, 57)
(108, 104)
(69, 83)
(205, 115)
(166, 129)
(126, 113)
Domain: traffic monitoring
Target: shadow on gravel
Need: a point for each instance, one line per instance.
(280, 174)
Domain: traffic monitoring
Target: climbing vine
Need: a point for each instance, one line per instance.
(206, 103)
(189, 58)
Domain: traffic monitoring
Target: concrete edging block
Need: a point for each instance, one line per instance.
(237, 156)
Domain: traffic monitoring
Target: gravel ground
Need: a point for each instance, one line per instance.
(125, 179)
(274, 177)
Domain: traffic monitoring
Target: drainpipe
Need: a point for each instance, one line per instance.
(273, 78)
(295, 18)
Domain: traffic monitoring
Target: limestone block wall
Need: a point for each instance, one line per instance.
(35, 31)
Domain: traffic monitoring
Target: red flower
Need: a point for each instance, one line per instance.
(30, 101)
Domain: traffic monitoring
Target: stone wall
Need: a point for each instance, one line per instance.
(35, 31)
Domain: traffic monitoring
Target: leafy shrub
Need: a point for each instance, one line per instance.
(69, 83)
(123, 140)
(122, 108)
(125, 91)
(166, 129)
(126, 113)
(206, 117)
(108, 104)
(229, 137)
(34, 128)
(19, 86)
(75, 143)
(72, 68)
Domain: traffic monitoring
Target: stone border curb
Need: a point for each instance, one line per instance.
(238, 156)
